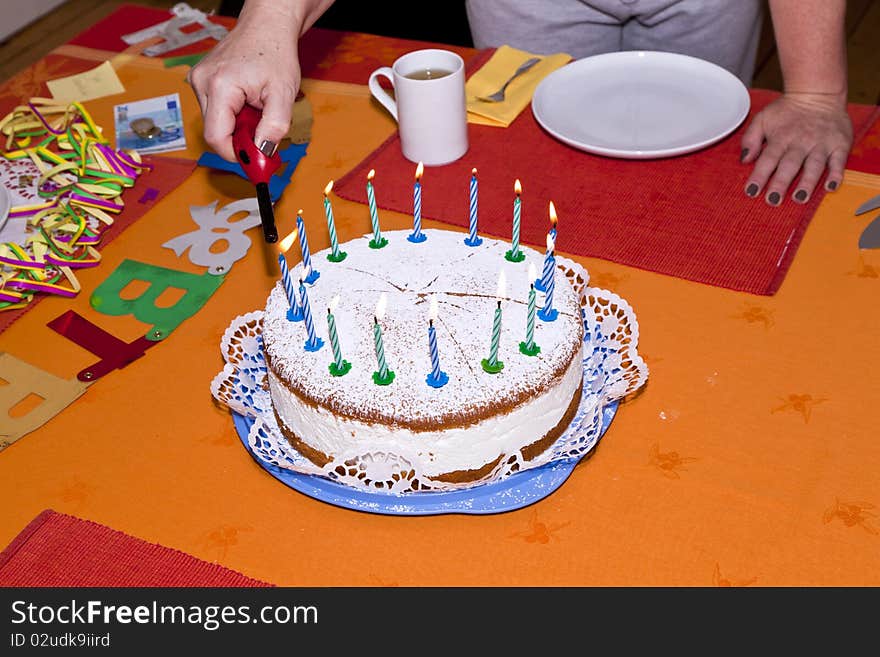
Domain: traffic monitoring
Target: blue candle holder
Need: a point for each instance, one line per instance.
(314, 345)
(416, 238)
(548, 314)
(295, 314)
(439, 381)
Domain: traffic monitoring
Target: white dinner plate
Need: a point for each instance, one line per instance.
(5, 205)
(640, 104)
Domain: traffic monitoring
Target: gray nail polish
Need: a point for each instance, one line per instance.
(773, 198)
(832, 185)
(752, 190)
(744, 153)
(800, 195)
(267, 148)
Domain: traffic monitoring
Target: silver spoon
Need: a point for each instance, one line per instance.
(498, 96)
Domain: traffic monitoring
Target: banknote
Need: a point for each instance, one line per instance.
(152, 125)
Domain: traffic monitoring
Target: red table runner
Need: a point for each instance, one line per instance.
(60, 550)
(685, 216)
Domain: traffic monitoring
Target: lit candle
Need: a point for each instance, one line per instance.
(304, 247)
(294, 312)
(548, 313)
(378, 241)
(313, 343)
(335, 254)
(515, 255)
(417, 235)
(384, 376)
(437, 378)
(529, 348)
(491, 364)
(338, 367)
(472, 238)
(549, 259)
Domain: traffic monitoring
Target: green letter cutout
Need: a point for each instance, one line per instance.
(199, 287)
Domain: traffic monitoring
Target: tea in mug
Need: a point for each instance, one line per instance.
(428, 74)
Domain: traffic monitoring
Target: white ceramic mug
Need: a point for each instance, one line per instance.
(430, 113)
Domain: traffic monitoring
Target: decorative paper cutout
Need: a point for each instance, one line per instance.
(114, 353)
(96, 83)
(870, 238)
(215, 226)
(279, 181)
(198, 289)
(170, 31)
(23, 380)
(867, 206)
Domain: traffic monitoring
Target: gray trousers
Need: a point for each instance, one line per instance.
(725, 32)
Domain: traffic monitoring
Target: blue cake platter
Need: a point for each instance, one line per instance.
(514, 492)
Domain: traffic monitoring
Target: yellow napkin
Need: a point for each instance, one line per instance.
(494, 73)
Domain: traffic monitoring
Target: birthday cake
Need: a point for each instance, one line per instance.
(421, 355)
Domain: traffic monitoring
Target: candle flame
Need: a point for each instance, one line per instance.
(502, 286)
(432, 313)
(381, 306)
(552, 211)
(328, 188)
(334, 302)
(533, 273)
(419, 171)
(299, 214)
(285, 244)
(517, 187)
(371, 174)
(474, 171)
(551, 243)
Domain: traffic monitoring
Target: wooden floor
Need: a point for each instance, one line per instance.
(71, 18)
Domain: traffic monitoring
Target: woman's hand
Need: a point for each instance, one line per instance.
(256, 63)
(797, 134)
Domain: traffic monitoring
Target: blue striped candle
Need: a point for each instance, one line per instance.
(472, 238)
(548, 313)
(417, 235)
(437, 378)
(304, 247)
(549, 265)
(294, 312)
(313, 343)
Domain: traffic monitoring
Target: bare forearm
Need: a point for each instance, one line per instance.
(299, 15)
(810, 37)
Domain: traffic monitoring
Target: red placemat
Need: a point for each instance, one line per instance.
(684, 216)
(60, 550)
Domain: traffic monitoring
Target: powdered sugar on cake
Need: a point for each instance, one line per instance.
(465, 280)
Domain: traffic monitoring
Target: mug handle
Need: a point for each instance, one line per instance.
(379, 93)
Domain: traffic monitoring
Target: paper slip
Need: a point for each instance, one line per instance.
(96, 83)
(153, 125)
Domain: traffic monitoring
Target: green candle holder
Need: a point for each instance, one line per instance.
(492, 369)
(339, 371)
(339, 257)
(510, 256)
(525, 349)
(378, 245)
(379, 380)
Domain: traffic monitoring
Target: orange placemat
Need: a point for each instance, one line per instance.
(60, 550)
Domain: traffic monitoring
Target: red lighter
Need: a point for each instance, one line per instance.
(258, 166)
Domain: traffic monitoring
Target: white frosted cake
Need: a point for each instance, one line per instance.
(458, 432)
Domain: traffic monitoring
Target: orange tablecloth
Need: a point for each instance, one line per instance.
(751, 457)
